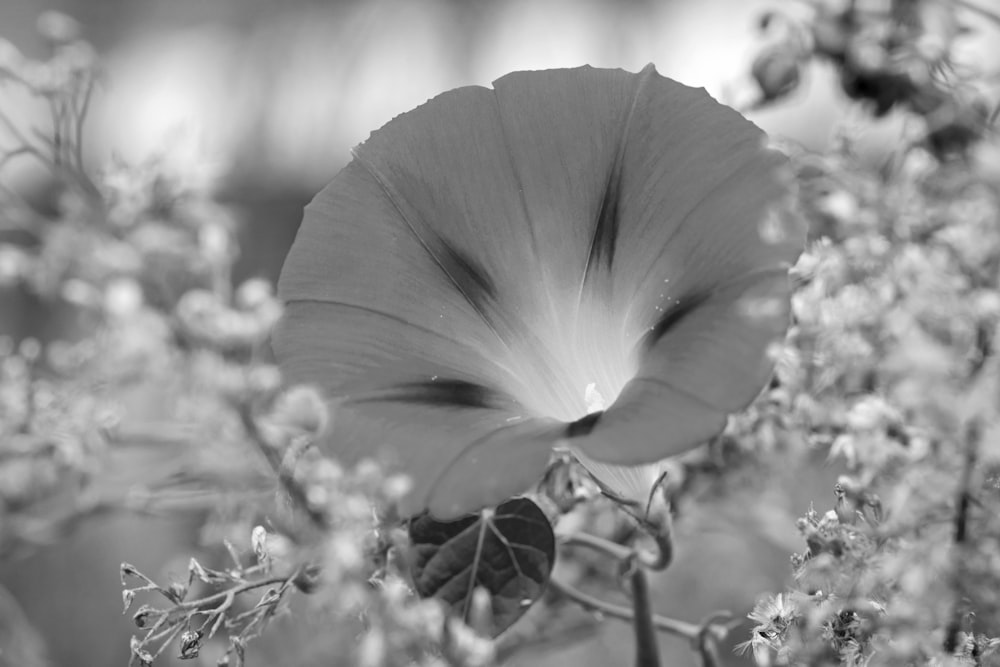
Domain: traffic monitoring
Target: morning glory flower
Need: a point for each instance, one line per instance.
(585, 259)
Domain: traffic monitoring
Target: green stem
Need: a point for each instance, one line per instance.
(647, 650)
(655, 561)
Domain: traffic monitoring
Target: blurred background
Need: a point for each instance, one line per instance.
(262, 100)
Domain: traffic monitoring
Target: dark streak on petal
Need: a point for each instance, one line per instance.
(602, 249)
(584, 425)
(465, 274)
(470, 277)
(672, 317)
(441, 393)
(606, 228)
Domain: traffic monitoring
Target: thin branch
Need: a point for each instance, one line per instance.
(982, 11)
(285, 477)
(973, 435)
(662, 623)
(707, 644)
(654, 561)
(13, 153)
(616, 551)
(19, 136)
(57, 137)
(54, 161)
(81, 116)
(543, 636)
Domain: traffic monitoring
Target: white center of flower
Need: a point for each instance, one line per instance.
(595, 402)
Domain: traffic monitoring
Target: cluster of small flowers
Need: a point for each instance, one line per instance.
(866, 594)
(362, 568)
(139, 262)
(72, 58)
(53, 432)
(890, 367)
(357, 589)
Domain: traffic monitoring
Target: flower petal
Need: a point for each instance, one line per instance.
(424, 439)
(413, 397)
(361, 269)
(712, 360)
(492, 469)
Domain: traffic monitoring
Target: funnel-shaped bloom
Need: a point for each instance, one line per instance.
(583, 257)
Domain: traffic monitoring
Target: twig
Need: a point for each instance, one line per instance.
(543, 636)
(55, 112)
(973, 434)
(707, 643)
(226, 597)
(616, 551)
(285, 478)
(81, 115)
(23, 143)
(53, 162)
(982, 11)
(654, 561)
(662, 623)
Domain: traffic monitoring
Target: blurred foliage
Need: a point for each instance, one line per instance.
(144, 258)
(897, 55)
(891, 364)
(890, 367)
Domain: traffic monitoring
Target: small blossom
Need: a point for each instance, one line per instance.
(58, 27)
(11, 58)
(253, 294)
(871, 413)
(371, 651)
(396, 487)
(14, 264)
(300, 408)
(122, 298)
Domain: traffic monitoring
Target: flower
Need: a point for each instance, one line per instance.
(580, 258)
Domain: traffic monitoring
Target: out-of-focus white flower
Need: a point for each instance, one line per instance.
(57, 27)
(80, 293)
(469, 648)
(13, 264)
(10, 56)
(253, 293)
(371, 650)
(216, 243)
(840, 205)
(302, 409)
(122, 298)
(871, 413)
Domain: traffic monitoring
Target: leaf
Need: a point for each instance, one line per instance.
(508, 551)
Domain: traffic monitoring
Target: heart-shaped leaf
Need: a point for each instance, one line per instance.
(509, 551)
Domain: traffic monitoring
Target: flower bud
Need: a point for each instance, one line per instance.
(301, 408)
(57, 27)
(776, 71)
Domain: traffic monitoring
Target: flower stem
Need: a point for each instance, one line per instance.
(647, 650)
